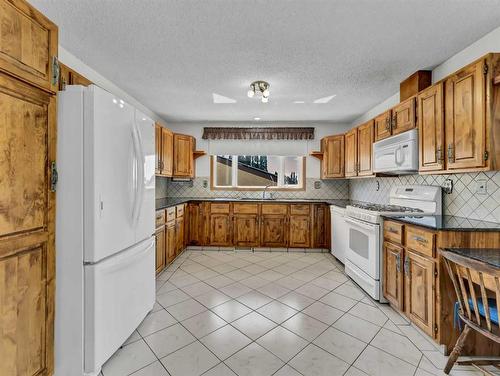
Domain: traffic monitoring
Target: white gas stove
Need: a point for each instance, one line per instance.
(364, 231)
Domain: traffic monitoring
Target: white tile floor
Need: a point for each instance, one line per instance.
(271, 313)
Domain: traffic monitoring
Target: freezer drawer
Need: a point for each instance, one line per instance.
(119, 292)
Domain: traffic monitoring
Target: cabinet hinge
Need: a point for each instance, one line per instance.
(435, 271)
(485, 68)
(55, 70)
(54, 177)
(486, 155)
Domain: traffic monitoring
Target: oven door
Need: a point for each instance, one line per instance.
(363, 246)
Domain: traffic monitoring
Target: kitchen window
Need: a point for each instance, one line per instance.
(255, 172)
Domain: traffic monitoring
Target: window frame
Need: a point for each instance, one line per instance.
(280, 187)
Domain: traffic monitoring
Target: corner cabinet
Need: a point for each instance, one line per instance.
(183, 164)
(332, 164)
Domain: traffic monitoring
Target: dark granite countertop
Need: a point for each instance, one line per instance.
(447, 223)
(489, 256)
(163, 203)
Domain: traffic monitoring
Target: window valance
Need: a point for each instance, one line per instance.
(237, 133)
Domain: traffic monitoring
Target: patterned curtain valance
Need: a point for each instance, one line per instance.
(236, 133)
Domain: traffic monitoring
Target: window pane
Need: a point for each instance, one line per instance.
(257, 170)
(223, 167)
(292, 171)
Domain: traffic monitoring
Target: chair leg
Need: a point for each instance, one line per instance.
(457, 350)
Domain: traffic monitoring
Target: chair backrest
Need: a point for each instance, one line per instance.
(471, 280)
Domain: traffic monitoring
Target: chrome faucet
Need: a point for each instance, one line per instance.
(264, 191)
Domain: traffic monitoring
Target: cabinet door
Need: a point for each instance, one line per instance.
(393, 275)
(351, 153)
(28, 44)
(273, 231)
(333, 157)
(321, 227)
(167, 152)
(183, 156)
(195, 224)
(219, 230)
(365, 144)
(465, 122)
(404, 116)
(246, 230)
(431, 128)
(300, 231)
(383, 126)
(420, 291)
(179, 236)
(158, 155)
(27, 258)
(170, 242)
(160, 249)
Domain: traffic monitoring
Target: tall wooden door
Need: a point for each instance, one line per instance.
(351, 153)
(333, 157)
(219, 229)
(300, 231)
(27, 258)
(246, 230)
(160, 249)
(382, 124)
(158, 154)
(273, 231)
(420, 291)
(365, 143)
(404, 116)
(170, 241)
(465, 118)
(183, 156)
(393, 281)
(167, 152)
(431, 128)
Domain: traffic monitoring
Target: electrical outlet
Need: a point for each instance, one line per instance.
(205, 183)
(481, 187)
(448, 186)
(317, 184)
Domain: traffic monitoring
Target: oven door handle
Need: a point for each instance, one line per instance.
(360, 224)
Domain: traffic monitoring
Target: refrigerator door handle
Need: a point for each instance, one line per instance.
(135, 173)
(141, 173)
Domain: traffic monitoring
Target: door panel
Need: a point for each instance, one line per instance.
(160, 249)
(403, 116)
(420, 291)
(170, 243)
(167, 152)
(382, 124)
(300, 231)
(333, 157)
(246, 230)
(431, 128)
(393, 276)
(195, 224)
(219, 230)
(465, 117)
(273, 231)
(365, 142)
(179, 236)
(158, 155)
(351, 153)
(183, 155)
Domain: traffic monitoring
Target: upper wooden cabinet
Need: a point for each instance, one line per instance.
(183, 156)
(431, 128)
(465, 118)
(158, 155)
(164, 151)
(365, 146)
(332, 164)
(28, 45)
(403, 116)
(351, 153)
(382, 124)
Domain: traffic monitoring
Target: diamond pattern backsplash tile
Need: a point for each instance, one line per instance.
(200, 187)
(464, 201)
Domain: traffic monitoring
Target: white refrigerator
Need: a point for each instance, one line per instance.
(105, 248)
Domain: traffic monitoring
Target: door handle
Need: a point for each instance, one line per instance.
(439, 155)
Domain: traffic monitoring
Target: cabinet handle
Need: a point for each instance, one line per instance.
(439, 155)
(398, 262)
(392, 230)
(420, 239)
(451, 153)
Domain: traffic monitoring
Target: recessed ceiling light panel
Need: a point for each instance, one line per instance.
(325, 99)
(218, 99)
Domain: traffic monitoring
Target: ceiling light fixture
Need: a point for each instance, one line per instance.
(261, 89)
(325, 99)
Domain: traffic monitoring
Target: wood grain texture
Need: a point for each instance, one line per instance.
(167, 152)
(393, 276)
(351, 153)
(365, 148)
(332, 163)
(183, 164)
(246, 230)
(300, 231)
(382, 124)
(404, 116)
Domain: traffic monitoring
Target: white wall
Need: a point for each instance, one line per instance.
(79, 66)
(312, 164)
(489, 43)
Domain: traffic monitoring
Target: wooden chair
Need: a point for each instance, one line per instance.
(478, 301)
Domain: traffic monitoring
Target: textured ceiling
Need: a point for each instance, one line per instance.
(173, 55)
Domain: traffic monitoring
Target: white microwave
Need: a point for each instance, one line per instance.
(397, 155)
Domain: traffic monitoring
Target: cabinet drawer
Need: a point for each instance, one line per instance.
(219, 208)
(179, 211)
(300, 209)
(420, 240)
(170, 214)
(245, 208)
(274, 209)
(160, 218)
(393, 231)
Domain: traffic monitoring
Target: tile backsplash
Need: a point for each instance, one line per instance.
(464, 201)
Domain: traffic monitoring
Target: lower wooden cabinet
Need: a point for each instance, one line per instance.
(170, 242)
(393, 277)
(195, 225)
(219, 229)
(300, 231)
(321, 226)
(160, 249)
(246, 230)
(273, 230)
(179, 235)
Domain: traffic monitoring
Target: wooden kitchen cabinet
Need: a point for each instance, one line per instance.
(364, 149)
(382, 124)
(246, 224)
(183, 163)
(332, 164)
(219, 229)
(170, 241)
(300, 231)
(158, 156)
(164, 151)
(393, 276)
(404, 116)
(160, 249)
(179, 236)
(431, 148)
(273, 231)
(321, 226)
(195, 225)
(420, 284)
(351, 153)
